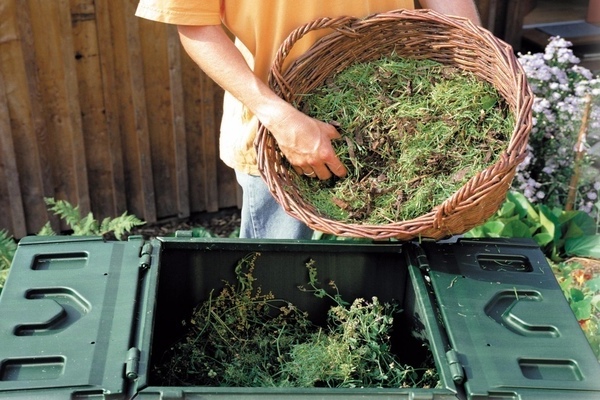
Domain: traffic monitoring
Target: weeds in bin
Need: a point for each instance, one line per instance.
(355, 351)
(413, 132)
(238, 338)
(246, 338)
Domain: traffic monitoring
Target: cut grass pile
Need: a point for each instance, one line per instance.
(413, 133)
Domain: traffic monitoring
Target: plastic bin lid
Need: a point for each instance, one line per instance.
(66, 316)
(509, 322)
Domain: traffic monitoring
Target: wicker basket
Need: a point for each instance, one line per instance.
(416, 34)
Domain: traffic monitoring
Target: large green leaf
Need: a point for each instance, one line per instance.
(582, 309)
(594, 285)
(523, 207)
(584, 246)
(577, 295)
(515, 229)
(596, 302)
(543, 239)
(507, 210)
(549, 221)
(579, 224)
(493, 228)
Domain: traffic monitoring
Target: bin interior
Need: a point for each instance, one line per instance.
(189, 272)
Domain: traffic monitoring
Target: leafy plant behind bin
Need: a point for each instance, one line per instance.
(88, 225)
(559, 233)
(7, 251)
(81, 226)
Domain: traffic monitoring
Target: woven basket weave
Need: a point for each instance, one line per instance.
(415, 34)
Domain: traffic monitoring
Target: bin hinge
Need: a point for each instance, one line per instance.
(145, 256)
(456, 369)
(132, 363)
(421, 258)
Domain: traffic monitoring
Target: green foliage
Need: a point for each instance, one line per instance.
(237, 338)
(355, 351)
(581, 287)
(244, 337)
(7, 251)
(559, 233)
(203, 232)
(88, 225)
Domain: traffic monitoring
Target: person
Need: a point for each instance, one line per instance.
(241, 68)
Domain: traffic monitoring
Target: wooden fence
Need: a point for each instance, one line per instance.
(105, 110)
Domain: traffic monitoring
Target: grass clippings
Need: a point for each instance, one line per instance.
(413, 133)
(246, 338)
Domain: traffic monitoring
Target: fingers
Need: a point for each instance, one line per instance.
(323, 172)
(324, 163)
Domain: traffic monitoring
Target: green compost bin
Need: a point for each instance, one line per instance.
(86, 318)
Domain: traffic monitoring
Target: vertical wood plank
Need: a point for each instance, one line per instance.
(137, 159)
(195, 154)
(51, 26)
(10, 191)
(27, 124)
(111, 111)
(164, 103)
(178, 118)
(202, 128)
(97, 139)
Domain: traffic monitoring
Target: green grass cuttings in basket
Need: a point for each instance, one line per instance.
(413, 133)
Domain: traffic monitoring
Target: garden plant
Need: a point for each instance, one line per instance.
(561, 87)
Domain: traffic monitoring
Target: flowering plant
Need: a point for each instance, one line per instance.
(560, 86)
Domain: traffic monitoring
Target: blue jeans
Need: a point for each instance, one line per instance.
(262, 217)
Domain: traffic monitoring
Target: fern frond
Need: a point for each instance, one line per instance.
(8, 246)
(64, 210)
(86, 226)
(47, 230)
(121, 224)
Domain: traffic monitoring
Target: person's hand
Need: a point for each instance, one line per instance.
(306, 143)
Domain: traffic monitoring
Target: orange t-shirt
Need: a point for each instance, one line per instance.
(260, 26)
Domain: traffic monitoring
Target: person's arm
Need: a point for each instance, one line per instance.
(306, 142)
(461, 8)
